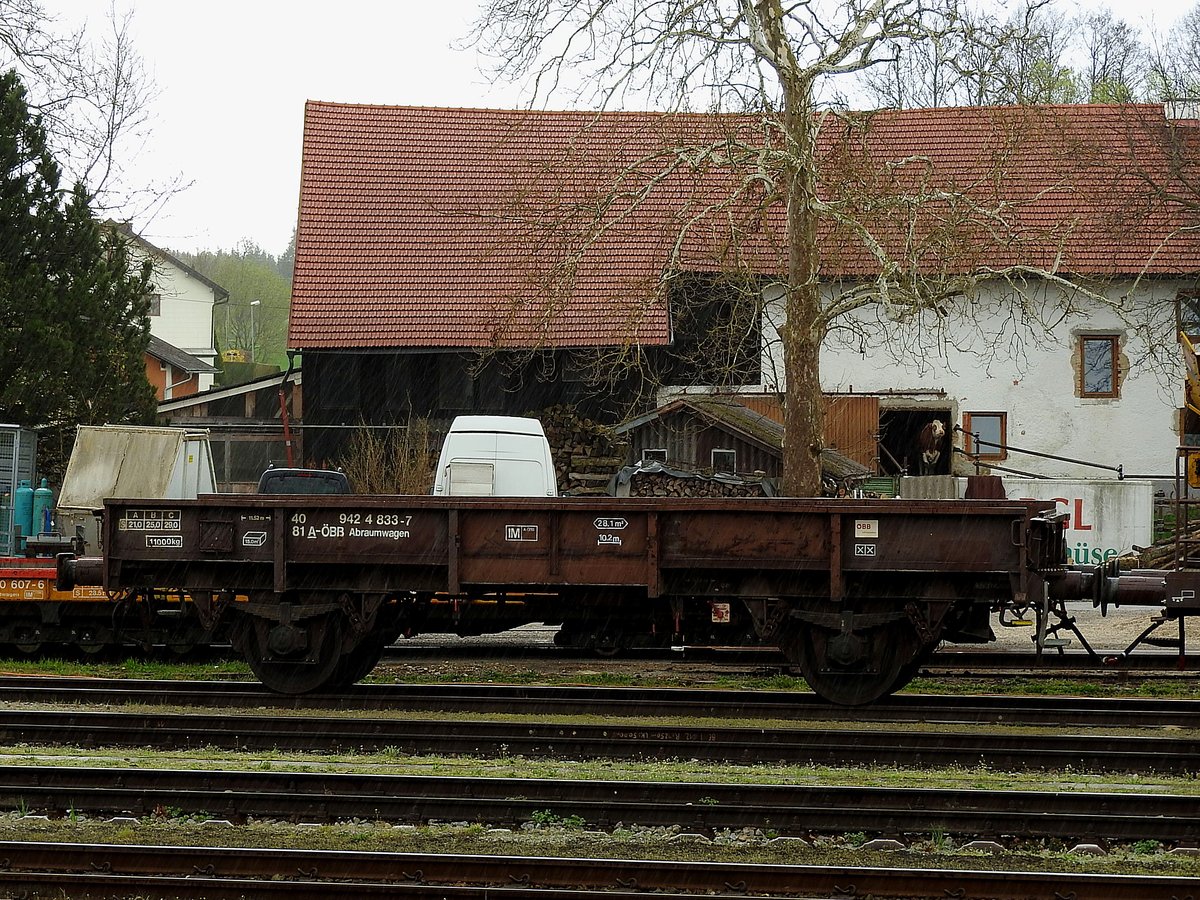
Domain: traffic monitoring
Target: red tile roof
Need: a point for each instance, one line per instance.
(445, 228)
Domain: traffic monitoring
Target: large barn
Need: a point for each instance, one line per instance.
(453, 260)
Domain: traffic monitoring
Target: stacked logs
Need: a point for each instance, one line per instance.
(663, 484)
(586, 453)
(1161, 554)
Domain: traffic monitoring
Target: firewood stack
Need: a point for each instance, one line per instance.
(662, 484)
(586, 453)
(1161, 554)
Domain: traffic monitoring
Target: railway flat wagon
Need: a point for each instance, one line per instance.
(855, 593)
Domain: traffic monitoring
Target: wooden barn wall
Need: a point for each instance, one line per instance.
(851, 422)
(767, 405)
(851, 426)
(689, 442)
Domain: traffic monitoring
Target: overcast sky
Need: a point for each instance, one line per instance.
(233, 78)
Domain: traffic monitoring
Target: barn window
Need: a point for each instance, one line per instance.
(1098, 362)
(986, 434)
(455, 392)
(656, 455)
(724, 461)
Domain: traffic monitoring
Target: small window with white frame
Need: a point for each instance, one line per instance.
(724, 461)
(657, 454)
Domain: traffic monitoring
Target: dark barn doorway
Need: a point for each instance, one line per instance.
(900, 441)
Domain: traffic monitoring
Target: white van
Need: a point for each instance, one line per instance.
(495, 456)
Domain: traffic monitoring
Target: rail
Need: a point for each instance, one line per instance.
(626, 738)
(90, 870)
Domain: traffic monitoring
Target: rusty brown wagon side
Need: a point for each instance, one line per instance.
(856, 593)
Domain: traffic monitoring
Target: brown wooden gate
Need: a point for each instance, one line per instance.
(851, 427)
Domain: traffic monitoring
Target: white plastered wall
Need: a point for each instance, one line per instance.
(1028, 375)
(186, 311)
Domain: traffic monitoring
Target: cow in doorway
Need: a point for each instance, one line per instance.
(930, 442)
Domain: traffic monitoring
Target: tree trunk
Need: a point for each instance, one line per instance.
(804, 324)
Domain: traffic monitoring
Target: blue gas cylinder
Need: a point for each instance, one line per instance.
(43, 508)
(23, 511)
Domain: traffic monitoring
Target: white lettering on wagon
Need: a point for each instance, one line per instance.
(613, 540)
(520, 532)
(164, 541)
(603, 524)
(149, 520)
(350, 525)
(394, 534)
(254, 538)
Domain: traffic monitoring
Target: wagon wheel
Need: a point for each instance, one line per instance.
(28, 640)
(358, 663)
(89, 642)
(854, 668)
(296, 658)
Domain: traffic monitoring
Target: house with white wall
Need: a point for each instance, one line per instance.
(182, 304)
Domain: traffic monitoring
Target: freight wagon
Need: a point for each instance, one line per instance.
(855, 593)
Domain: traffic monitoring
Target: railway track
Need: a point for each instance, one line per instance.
(818, 745)
(100, 870)
(708, 808)
(1073, 712)
(703, 807)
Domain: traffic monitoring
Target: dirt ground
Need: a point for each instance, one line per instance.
(1108, 634)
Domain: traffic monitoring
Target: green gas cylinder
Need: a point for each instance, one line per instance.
(23, 512)
(43, 508)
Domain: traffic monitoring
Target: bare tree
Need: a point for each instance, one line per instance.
(1036, 55)
(1114, 61)
(94, 96)
(1033, 61)
(918, 245)
(982, 60)
(1175, 60)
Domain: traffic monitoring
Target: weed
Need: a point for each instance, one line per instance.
(548, 818)
(856, 839)
(1146, 848)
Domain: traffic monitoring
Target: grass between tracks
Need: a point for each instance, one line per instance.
(1100, 684)
(555, 840)
(397, 762)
